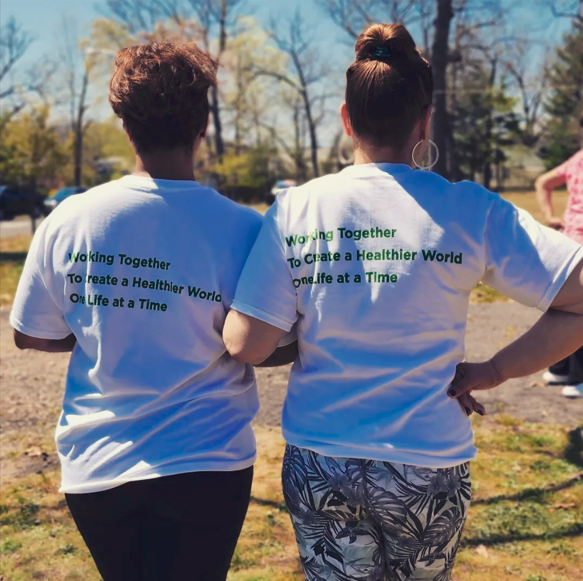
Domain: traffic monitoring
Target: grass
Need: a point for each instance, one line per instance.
(10, 271)
(527, 201)
(525, 524)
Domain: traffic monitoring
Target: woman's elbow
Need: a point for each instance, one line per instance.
(243, 354)
(241, 351)
(245, 342)
(540, 182)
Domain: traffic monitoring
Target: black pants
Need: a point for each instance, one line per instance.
(174, 528)
(572, 366)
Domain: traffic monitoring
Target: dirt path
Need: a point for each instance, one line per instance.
(31, 389)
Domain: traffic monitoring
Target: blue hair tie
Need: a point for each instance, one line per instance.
(382, 52)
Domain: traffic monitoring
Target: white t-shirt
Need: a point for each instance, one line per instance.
(375, 266)
(143, 273)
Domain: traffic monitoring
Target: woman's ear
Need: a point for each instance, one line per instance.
(346, 120)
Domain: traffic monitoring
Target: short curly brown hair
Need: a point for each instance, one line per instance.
(160, 92)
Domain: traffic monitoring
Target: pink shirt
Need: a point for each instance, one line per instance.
(572, 171)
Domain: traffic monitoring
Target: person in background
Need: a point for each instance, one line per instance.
(375, 266)
(135, 278)
(569, 371)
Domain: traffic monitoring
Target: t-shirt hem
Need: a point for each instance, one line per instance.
(37, 333)
(376, 454)
(103, 485)
(262, 315)
(560, 279)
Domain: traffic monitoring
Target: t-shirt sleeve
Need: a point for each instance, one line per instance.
(266, 290)
(525, 260)
(37, 311)
(290, 337)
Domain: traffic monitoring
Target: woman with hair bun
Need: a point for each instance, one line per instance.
(374, 266)
(135, 277)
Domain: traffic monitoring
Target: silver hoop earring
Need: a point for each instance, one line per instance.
(434, 146)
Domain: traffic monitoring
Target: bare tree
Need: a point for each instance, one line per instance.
(142, 15)
(246, 98)
(292, 145)
(531, 89)
(14, 42)
(211, 15)
(441, 125)
(304, 72)
(78, 63)
(354, 15)
(572, 9)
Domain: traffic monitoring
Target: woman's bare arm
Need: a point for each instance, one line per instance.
(250, 340)
(544, 186)
(557, 334)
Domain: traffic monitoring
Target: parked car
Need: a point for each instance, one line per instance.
(279, 186)
(18, 201)
(62, 194)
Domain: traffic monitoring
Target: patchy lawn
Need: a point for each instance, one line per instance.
(10, 271)
(527, 201)
(526, 520)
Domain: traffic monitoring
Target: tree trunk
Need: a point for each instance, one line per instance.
(215, 105)
(489, 128)
(216, 112)
(298, 150)
(439, 58)
(78, 154)
(78, 129)
(313, 137)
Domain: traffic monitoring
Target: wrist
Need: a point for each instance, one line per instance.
(498, 369)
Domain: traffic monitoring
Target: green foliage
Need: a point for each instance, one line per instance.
(565, 105)
(250, 169)
(105, 141)
(483, 122)
(30, 148)
(33, 151)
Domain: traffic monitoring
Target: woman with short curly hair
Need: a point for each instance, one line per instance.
(135, 277)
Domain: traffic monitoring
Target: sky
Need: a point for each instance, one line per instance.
(43, 20)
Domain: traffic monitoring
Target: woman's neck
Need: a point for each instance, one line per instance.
(369, 154)
(165, 165)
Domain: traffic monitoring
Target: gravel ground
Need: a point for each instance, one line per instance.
(31, 389)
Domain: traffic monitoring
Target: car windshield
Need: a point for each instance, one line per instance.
(63, 193)
(282, 184)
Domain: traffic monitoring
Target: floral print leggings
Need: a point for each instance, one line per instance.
(374, 521)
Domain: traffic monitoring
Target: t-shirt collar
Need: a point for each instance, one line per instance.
(372, 168)
(148, 183)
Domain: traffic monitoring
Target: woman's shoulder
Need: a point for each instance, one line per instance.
(328, 182)
(464, 192)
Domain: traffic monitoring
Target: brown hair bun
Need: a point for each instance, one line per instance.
(389, 86)
(393, 37)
